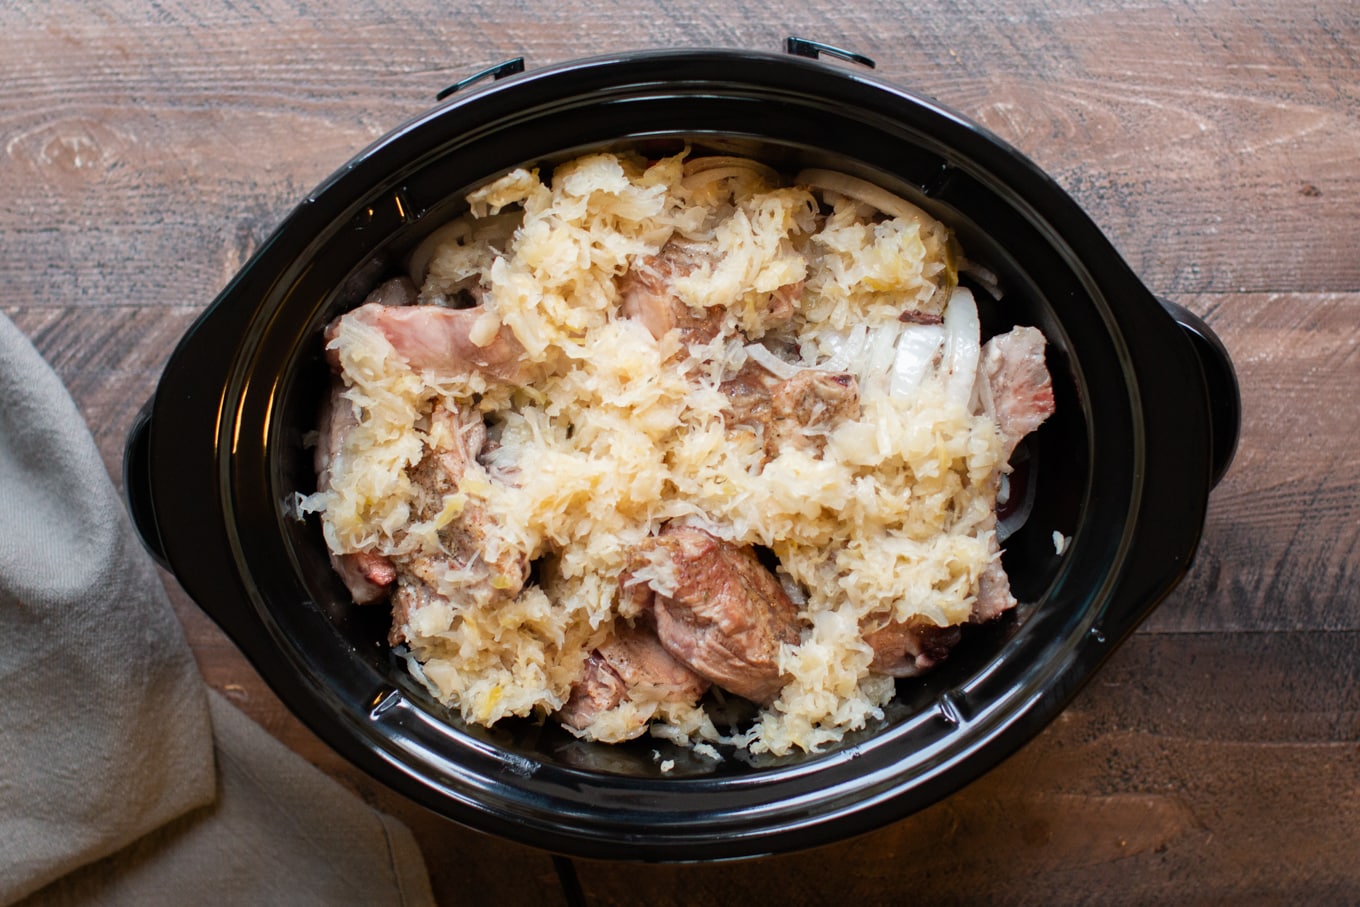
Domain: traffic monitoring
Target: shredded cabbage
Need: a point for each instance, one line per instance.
(888, 518)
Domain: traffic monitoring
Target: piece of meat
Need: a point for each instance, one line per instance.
(807, 406)
(1014, 386)
(994, 596)
(1015, 389)
(412, 594)
(636, 654)
(797, 412)
(631, 663)
(337, 420)
(749, 393)
(726, 616)
(440, 340)
(397, 292)
(368, 576)
(599, 690)
(910, 648)
(647, 294)
(454, 441)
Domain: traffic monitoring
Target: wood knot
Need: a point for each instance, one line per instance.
(79, 149)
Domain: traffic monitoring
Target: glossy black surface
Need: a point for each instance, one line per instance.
(1123, 470)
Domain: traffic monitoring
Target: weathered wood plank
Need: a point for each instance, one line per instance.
(188, 136)
(1158, 785)
(1281, 548)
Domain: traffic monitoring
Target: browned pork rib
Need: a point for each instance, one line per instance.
(1015, 389)
(437, 339)
(411, 595)
(453, 442)
(631, 662)
(367, 576)
(337, 421)
(994, 596)
(807, 406)
(748, 394)
(599, 690)
(455, 438)
(797, 412)
(910, 648)
(646, 294)
(727, 616)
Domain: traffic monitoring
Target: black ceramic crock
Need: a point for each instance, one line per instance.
(1146, 423)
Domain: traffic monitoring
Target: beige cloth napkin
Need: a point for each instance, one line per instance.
(122, 779)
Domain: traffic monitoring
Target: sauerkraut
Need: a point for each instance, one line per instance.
(518, 495)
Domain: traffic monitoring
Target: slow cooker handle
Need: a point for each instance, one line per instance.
(1225, 398)
(513, 66)
(802, 47)
(798, 47)
(137, 485)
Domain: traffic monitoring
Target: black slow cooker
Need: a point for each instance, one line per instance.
(1118, 480)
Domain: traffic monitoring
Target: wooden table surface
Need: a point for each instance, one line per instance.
(149, 148)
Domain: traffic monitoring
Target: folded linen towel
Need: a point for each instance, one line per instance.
(122, 779)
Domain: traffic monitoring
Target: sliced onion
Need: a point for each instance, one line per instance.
(917, 347)
(984, 277)
(881, 351)
(726, 161)
(767, 360)
(962, 346)
(717, 174)
(846, 350)
(493, 229)
(864, 191)
(418, 264)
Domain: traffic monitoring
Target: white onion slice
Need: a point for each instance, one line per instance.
(727, 161)
(917, 347)
(881, 353)
(705, 177)
(962, 346)
(847, 350)
(494, 229)
(864, 191)
(770, 362)
(418, 264)
(984, 277)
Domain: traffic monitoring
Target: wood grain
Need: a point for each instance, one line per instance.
(1156, 786)
(1281, 548)
(1192, 133)
(149, 149)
